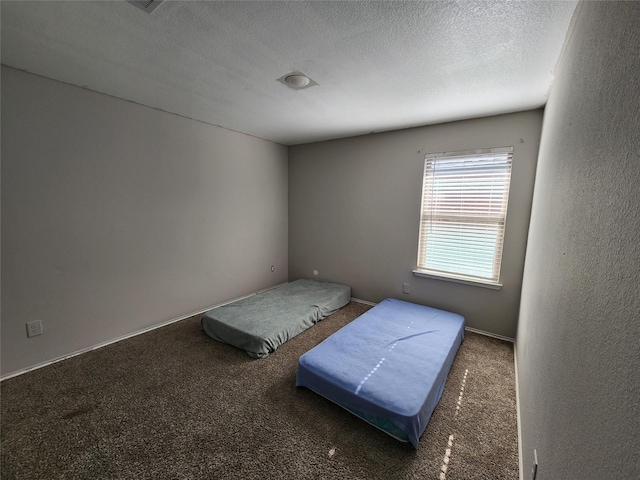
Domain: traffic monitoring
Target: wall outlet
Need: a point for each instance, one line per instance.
(406, 288)
(534, 470)
(273, 268)
(34, 328)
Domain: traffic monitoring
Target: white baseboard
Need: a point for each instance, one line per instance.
(124, 337)
(520, 460)
(515, 367)
(489, 334)
(366, 302)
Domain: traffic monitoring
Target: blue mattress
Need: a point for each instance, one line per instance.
(259, 324)
(388, 366)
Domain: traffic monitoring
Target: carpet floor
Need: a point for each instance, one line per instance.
(174, 404)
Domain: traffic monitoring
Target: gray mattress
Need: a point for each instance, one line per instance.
(261, 323)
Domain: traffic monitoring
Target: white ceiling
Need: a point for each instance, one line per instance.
(379, 65)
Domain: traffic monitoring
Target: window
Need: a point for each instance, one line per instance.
(464, 209)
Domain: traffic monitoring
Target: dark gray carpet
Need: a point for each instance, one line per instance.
(172, 403)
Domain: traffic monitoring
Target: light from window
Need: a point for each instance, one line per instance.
(464, 209)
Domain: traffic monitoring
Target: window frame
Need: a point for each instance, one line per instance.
(429, 180)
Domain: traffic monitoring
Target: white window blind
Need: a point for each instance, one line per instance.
(464, 209)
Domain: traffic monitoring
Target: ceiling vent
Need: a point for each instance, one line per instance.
(146, 5)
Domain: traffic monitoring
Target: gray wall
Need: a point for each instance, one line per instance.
(354, 209)
(116, 217)
(578, 344)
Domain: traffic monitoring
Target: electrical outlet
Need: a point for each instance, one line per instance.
(406, 288)
(34, 328)
(534, 470)
(273, 268)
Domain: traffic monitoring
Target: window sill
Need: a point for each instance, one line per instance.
(456, 279)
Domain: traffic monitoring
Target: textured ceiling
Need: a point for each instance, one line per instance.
(379, 65)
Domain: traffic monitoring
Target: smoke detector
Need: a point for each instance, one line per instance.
(296, 80)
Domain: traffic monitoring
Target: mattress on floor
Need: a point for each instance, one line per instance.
(388, 366)
(261, 323)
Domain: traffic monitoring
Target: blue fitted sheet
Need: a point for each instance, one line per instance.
(259, 324)
(388, 366)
